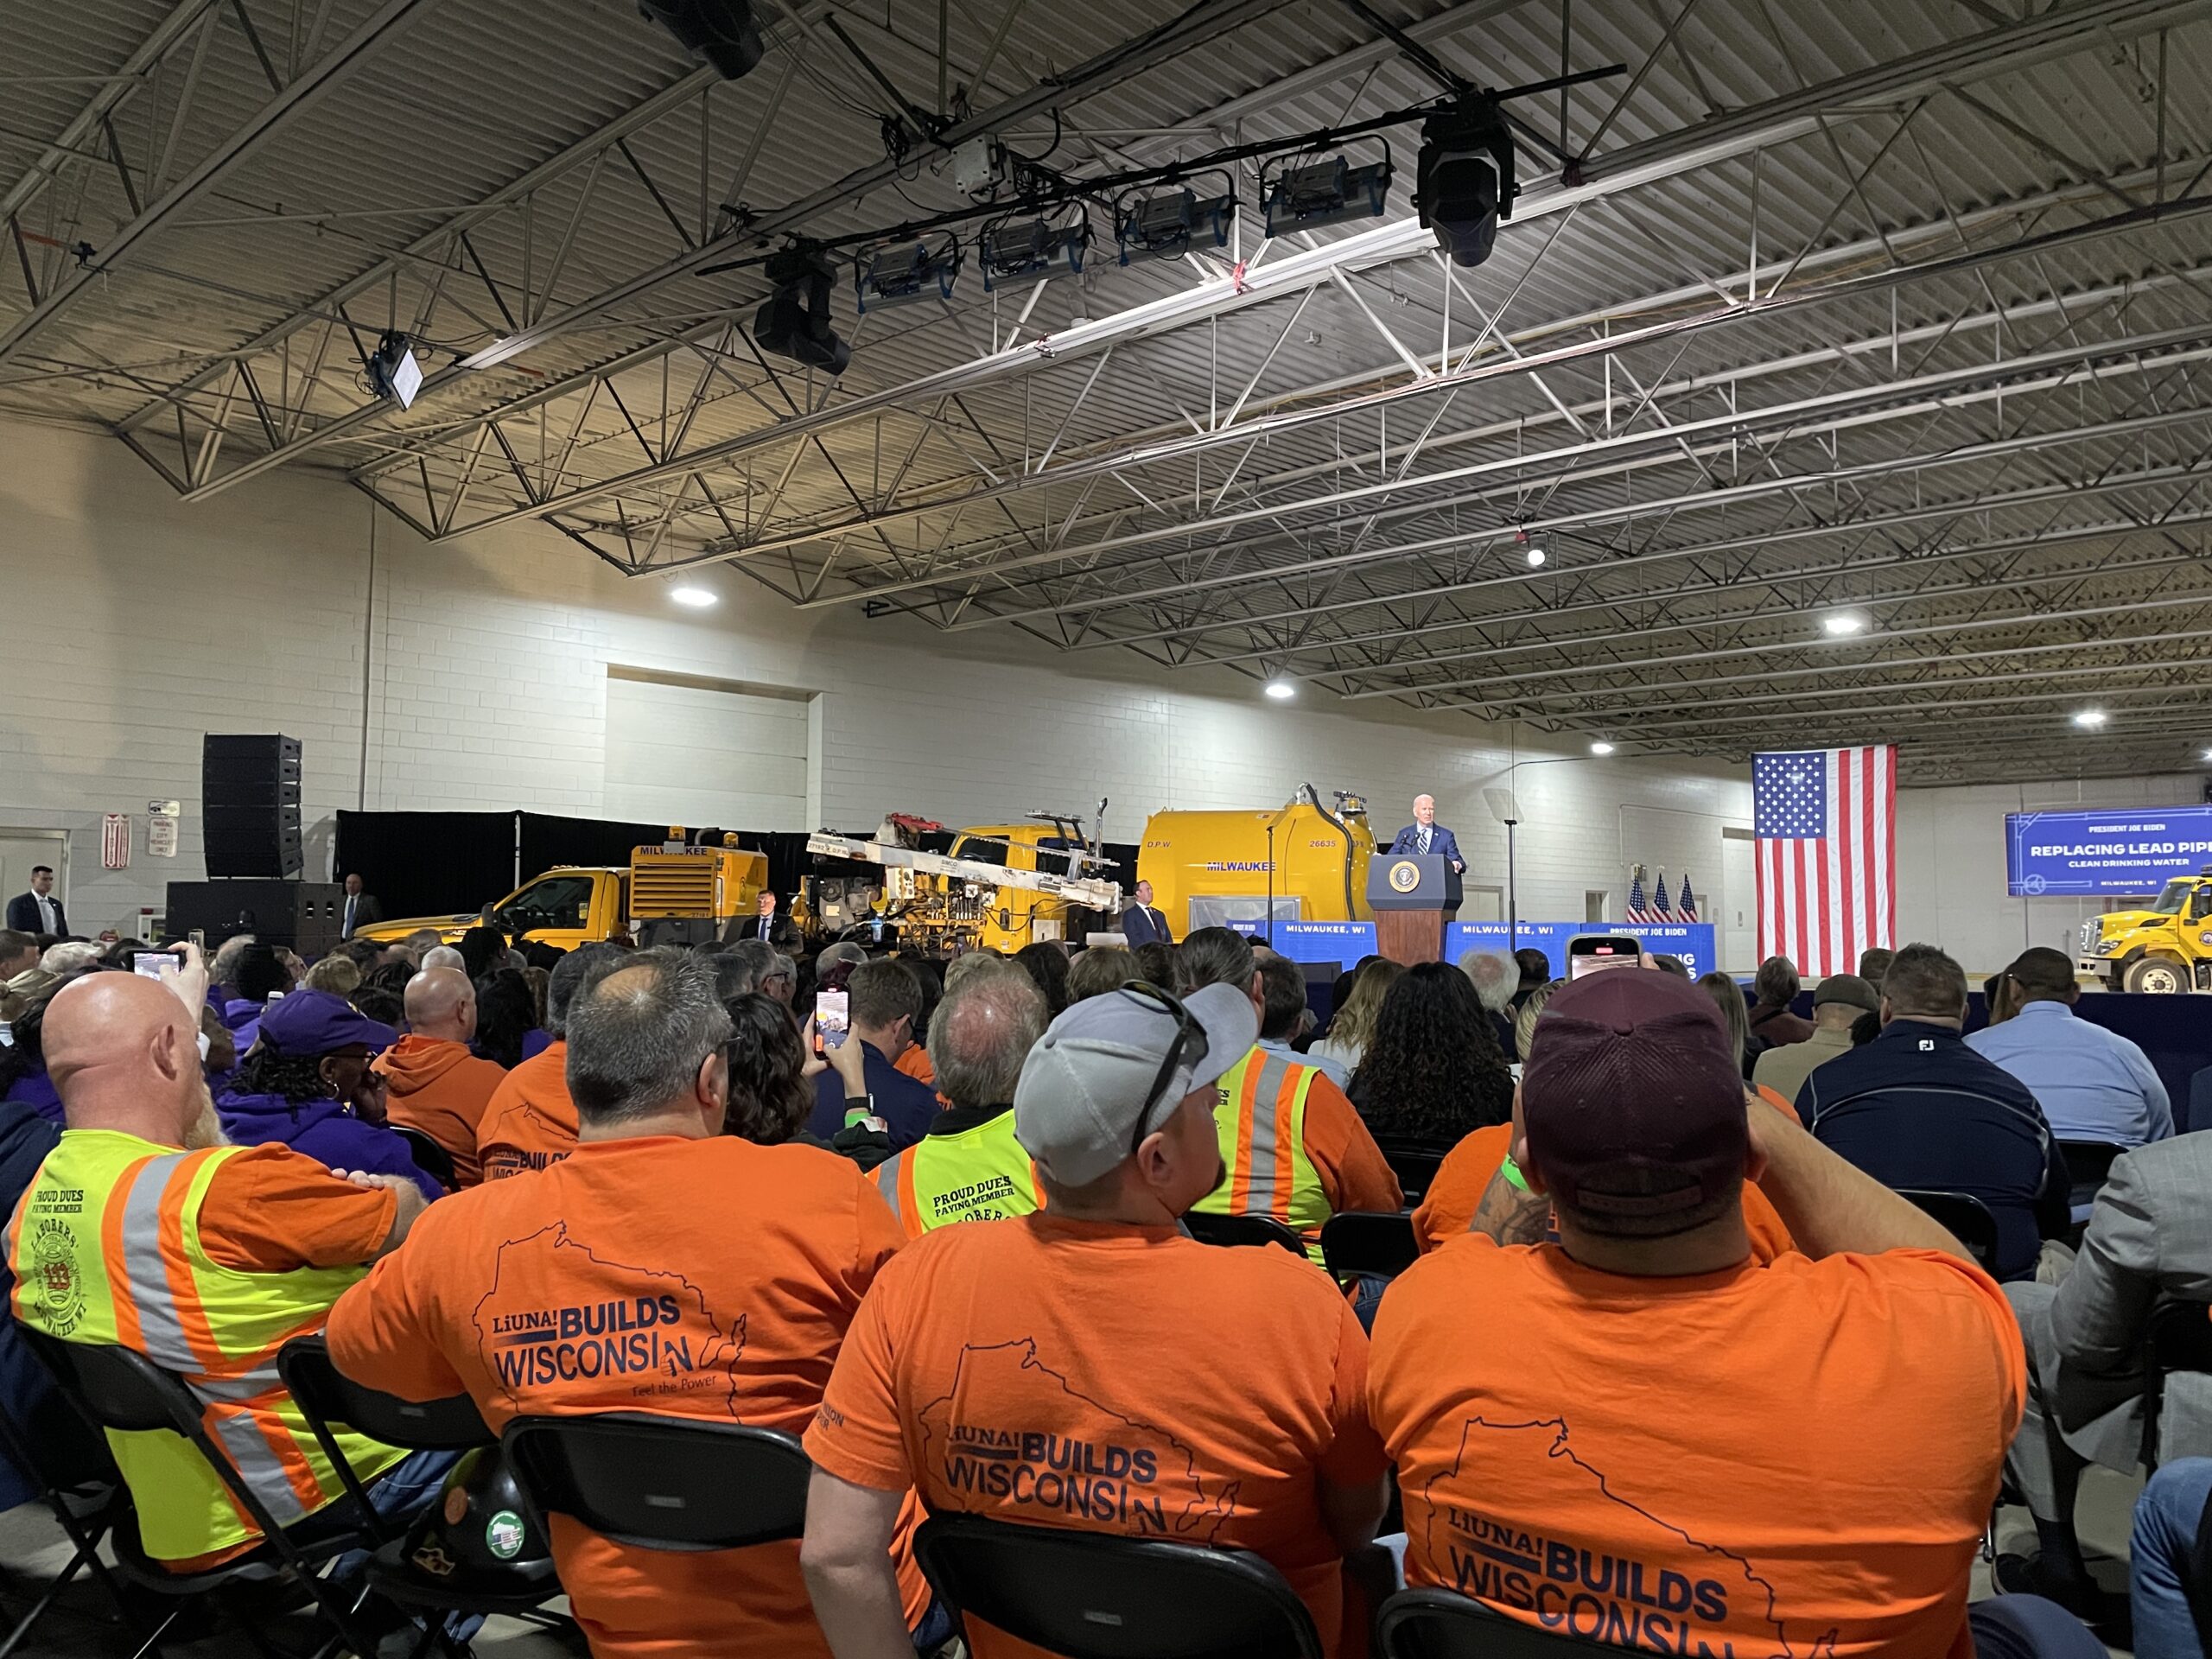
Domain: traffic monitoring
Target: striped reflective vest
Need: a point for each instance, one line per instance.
(105, 1248)
(978, 1174)
(1262, 1121)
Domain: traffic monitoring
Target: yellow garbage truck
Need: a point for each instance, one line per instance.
(2162, 949)
(1301, 862)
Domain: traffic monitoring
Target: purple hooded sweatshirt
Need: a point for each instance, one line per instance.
(326, 1130)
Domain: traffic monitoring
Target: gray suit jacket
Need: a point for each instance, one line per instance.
(2150, 1235)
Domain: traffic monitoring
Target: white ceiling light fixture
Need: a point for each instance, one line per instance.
(695, 597)
(1843, 623)
(1601, 747)
(2089, 719)
(1281, 691)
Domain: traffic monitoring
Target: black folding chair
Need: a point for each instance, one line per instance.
(1414, 1162)
(1381, 1244)
(1091, 1595)
(326, 1395)
(1966, 1216)
(663, 1482)
(1441, 1624)
(433, 1160)
(86, 1515)
(2088, 1162)
(119, 1389)
(1210, 1229)
(2177, 1337)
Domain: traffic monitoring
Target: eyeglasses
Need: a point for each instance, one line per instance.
(1190, 1045)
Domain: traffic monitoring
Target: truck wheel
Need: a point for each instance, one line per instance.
(2155, 977)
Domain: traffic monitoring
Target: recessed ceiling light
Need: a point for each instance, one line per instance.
(697, 598)
(1281, 691)
(1601, 747)
(2089, 719)
(1844, 622)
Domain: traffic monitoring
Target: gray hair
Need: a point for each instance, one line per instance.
(759, 957)
(223, 969)
(783, 968)
(1494, 975)
(69, 957)
(634, 1048)
(990, 1021)
(843, 950)
(568, 974)
(444, 955)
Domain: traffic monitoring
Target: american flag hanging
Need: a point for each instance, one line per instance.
(1639, 911)
(1660, 910)
(1687, 911)
(1825, 826)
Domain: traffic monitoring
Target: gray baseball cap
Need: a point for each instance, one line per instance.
(1083, 1086)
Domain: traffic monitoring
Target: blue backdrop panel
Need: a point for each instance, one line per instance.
(2127, 849)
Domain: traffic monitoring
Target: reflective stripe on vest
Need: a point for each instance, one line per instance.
(979, 1174)
(1261, 1120)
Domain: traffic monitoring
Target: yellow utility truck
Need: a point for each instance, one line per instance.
(2165, 947)
(687, 890)
(1300, 862)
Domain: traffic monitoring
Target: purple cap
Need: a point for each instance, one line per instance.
(1633, 1100)
(304, 1023)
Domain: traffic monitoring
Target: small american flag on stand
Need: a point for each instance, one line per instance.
(1639, 911)
(1825, 823)
(1660, 910)
(1687, 909)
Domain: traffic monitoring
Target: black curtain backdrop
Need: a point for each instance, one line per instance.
(429, 864)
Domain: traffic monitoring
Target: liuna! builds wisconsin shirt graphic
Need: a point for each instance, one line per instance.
(617, 1328)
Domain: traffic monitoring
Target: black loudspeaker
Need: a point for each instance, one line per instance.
(249, 805)
(305, 915)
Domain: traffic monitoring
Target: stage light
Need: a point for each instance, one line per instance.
(1601, 747)
(1844, 622)
(1281, 691)
(2207, 757)
(1331, 192)
(1168, 226)
(794, 320)
(1464, 180)
(1023, 254)
(901, 273)
(697, 599)
(393, 372)
(1531, 549)
(722, 32)
(2089, 719)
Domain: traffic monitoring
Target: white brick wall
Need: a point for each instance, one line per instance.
(485, 671)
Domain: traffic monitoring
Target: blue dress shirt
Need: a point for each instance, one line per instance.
(2093, 1085)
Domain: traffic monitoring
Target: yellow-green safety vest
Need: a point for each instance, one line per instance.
(1261, 1119)
(978, 1174)
(105, 1248)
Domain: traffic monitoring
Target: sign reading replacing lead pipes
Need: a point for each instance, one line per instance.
(2122, 850)
(115, 841)
(161, 828)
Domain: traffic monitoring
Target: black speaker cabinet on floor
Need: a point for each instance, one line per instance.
(249, 805)
(305, 915)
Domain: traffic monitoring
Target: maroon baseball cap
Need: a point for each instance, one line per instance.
(1633, 1100)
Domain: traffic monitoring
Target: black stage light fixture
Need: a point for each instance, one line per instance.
(794, 320)
(899, 273)
(1330, 192)
(1167, 227)
(1025, 252)
(1464, 184)
(723, 32)
(393, 372)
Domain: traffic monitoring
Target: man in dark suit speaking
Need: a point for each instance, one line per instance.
(1426, 835)
(38, 911)
(1144, 922)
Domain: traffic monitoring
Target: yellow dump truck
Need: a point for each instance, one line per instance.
(1210, 868)
(2163, 949)
(678, 893)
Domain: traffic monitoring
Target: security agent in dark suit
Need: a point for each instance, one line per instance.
(38, 911)
(1426, 835)
(778, 931)
(1144, 922)
(361, 909)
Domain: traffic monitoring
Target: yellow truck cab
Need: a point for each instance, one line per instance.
(565, 907)
(2162, 949)
(1209, 869)
(1022, 916)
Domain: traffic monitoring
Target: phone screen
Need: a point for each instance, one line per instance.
(154, 964)
(1591, 952)
(832, 1019)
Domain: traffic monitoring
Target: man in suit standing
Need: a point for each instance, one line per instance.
(1143, 922)
(1426, 835)
(776, 930)
(362, 909)
(38, 911)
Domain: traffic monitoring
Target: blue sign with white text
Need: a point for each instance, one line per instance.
(1347, 941)
(2128, 850)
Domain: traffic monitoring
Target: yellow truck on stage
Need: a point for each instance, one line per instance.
(1209, 869)
(2163, 949)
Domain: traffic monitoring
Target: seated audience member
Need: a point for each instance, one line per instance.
(751, 1260)
(1532, 1009)
(1837, 1003)
(1497, 979)
(916, 1062)
(1670, 964)
(1047, 964)
(335, 974)
(260, 974)
(759, 956)
(969, 1166)
(1294, 1147)
(1285, 1016)
(530, 1121)
(1776, 986)
(68, 957)
(307, 1082)
(1248, 1430)
(255, 1245)
(772, 1075)
(1536, 973)
(482, 948)
(24, 1080)
(443, 955)
(883, 1003)
(1728, 999)
(1874, 962)
(381, 1008)
(1099, 970)
(19, 953)
(2165, 1560)
(2093, 1085)
(1579, 1438)
(2149, 1238)
(1160, 963)
(432, 1082)
(1351, 1028)
(1918, 1109)
(1434, 1070)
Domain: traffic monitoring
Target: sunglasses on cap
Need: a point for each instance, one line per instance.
(1190, 1045)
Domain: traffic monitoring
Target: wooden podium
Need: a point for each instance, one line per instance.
(1413, 895)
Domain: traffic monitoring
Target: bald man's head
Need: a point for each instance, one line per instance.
(123, 1054)
(442, 1006)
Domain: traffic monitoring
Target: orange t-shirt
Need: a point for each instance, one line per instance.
(271, 1209)
(1015, 1368)
(1794, 1458)
(530, 1121)
(914, 1061)
(1467, 1170)
(1354, 1173)
(631, 1277)
(440, 1089)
